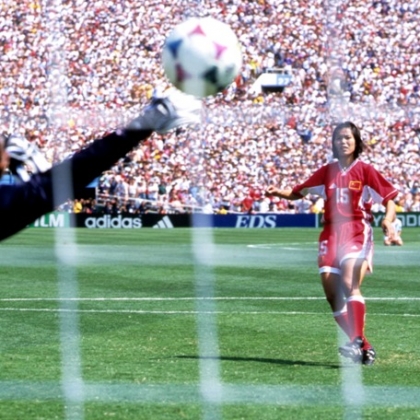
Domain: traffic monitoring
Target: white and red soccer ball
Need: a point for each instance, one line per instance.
(202, 56)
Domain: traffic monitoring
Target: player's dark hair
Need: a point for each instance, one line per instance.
(356, 134)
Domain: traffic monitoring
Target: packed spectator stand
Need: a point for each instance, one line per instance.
(73, 70)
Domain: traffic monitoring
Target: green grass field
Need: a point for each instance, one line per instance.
(198, 324)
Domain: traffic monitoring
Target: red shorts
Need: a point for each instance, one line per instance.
(339, 242)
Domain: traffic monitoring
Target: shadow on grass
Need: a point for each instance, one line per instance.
(264, 360)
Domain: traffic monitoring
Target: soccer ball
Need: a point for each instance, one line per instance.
(201, 56)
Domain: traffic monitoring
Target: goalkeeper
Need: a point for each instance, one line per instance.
(23, 202)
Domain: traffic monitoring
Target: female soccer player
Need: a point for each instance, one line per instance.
(349, 188)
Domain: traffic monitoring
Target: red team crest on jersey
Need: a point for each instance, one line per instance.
(355, 185)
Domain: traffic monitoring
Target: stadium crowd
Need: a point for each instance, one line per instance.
(75, 70)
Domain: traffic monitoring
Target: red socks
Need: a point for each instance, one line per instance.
(351, 319)
(356, 313)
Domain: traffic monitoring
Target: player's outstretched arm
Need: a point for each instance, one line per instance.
(21, 204)
(286, 193)
(387, 221)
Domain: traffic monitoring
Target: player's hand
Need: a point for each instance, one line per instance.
(24, 152)
(388, 229)
(271, 190)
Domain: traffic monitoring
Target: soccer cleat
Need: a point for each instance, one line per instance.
(368, 356)
(353, 350)
(168, 111)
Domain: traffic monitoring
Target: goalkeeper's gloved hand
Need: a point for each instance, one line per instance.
(168, 110)
(25, 157)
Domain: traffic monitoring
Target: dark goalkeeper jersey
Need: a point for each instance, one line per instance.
(22, 204)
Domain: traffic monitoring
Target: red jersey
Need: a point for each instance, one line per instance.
(348, 193)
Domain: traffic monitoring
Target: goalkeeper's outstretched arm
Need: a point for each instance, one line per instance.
(21, 204)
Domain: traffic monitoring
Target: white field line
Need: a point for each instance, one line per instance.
(199, 311)
(215, 298)
(218, 298)
(145, 312)
(192, 312)
(285, 395)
